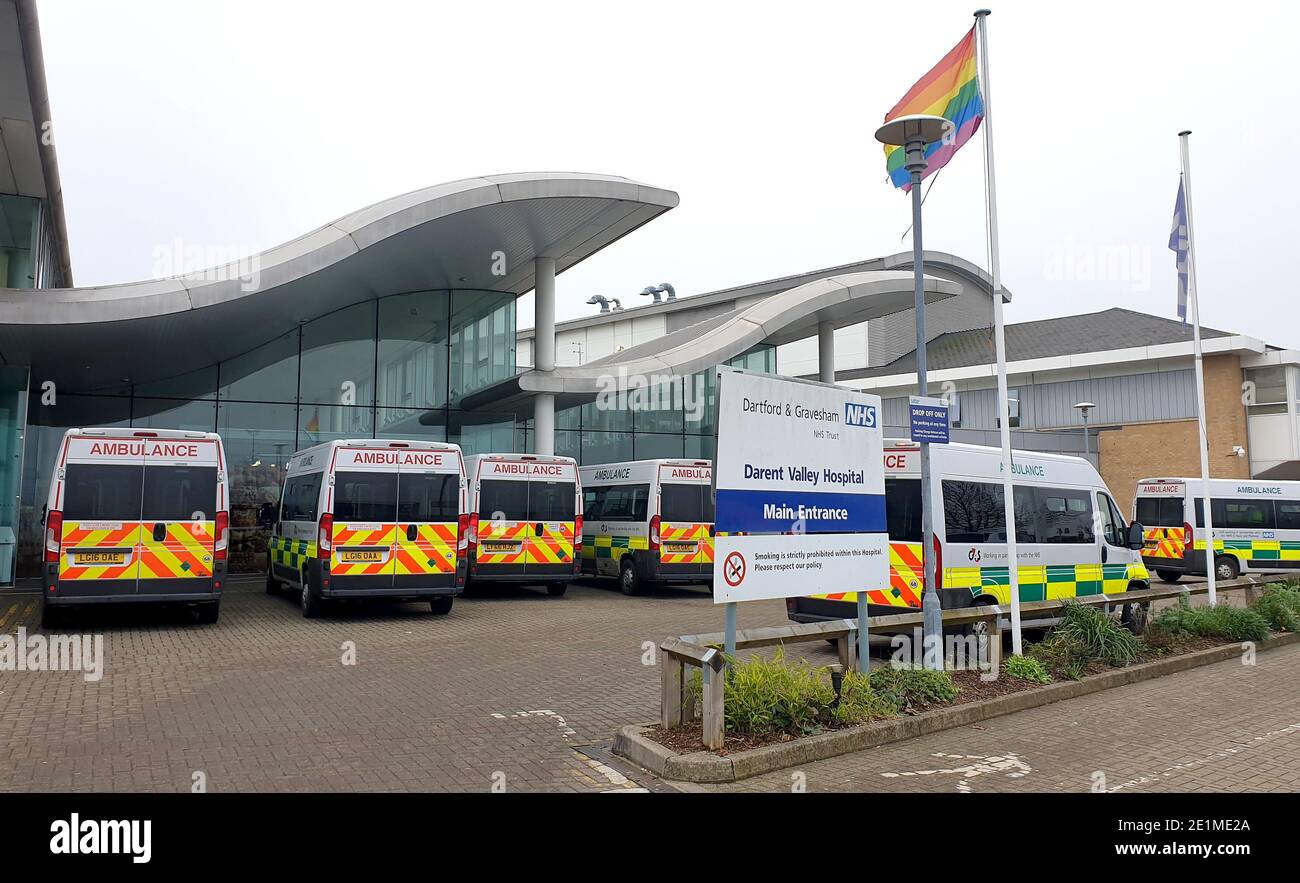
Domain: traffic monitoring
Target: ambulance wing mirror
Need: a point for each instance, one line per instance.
(1136, 535)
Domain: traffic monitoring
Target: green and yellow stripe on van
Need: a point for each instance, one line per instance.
(1046, 582)
(290, 553)
(1256, 550)
(613, 547)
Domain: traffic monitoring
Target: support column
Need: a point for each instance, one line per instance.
(826, 352)
(544, 352)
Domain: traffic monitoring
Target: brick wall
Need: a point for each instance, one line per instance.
(1143, 450)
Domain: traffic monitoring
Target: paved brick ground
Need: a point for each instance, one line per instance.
(533, 688)
(261, 701)
(1224, 727)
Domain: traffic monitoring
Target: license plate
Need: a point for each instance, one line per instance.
(85, 559)
(500, 547)
(679, 547)
(361, 556)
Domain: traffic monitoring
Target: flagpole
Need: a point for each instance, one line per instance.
(1193, 297)
(999, 332)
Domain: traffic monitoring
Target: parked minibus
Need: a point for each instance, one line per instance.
(525, 520)
(367, 519)
(1256, 526)
(136, 516)
(1071, 539)
(648, 522)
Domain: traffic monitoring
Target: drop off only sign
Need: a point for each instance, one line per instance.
(799, 473)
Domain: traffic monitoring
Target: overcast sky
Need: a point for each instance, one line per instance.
(242, 125)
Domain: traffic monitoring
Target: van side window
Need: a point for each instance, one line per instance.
(301, 494)
(972, 512)
(903, 509)
(1112, 526)
(625, 502)
(592, 500)
(1240, 514)
(1065, 516)
(1288, 516)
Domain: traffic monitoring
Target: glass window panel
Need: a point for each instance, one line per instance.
(201, 384)
(179, 493)
(550, 500)
(647, 446)
(482, 340)
(258, 440)
(503, 500)
(322, 423)
(659, 408)
(413, 350)
(338, 357)
(699, 447)
(93, 492)
(428, 497)
(196, 416)
(606, 447)
(266, 374)
(365, 496)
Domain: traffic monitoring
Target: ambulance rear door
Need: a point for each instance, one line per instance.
(428, 513)
(364, 517)
(178, 515)
(101, 481)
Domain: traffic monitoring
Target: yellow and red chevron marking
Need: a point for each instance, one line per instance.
(905, 580)
(89, 535)
(368, 538)
(184, 552)
(554, 546)
(514, 532)
(1163, 542)
(695, 534)
(432, 551)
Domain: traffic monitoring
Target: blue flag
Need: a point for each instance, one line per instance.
(1178, 245)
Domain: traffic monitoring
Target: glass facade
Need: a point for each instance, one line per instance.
(392, 367)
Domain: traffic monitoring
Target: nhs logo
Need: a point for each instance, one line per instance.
(860, 415)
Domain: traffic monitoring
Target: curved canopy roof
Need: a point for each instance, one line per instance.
(440, 237)
(791, 315)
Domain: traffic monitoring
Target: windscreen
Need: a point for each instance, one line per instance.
(365, 496)
(179, 493)
(1160, 511)
(686, 502)
(93, 492)
(503, 500)
(551, 501)
(427, 498)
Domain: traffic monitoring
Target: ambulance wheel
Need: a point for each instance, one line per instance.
(1135, 616)
(441, 605)
(557, 590)
(209, 612)
(1226, 567)
(628, 584)
(51, 617)
(311, 603)
(272, 584)
(1169, 576)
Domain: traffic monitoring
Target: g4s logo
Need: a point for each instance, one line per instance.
(973, 555)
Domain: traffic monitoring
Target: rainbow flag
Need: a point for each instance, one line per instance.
(951, 90)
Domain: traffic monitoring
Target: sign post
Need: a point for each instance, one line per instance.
(799, 493)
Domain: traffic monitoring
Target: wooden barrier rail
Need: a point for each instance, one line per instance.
(704, 651)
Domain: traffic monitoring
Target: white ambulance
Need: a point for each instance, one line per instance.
(136, 516)
(648, 521)
(525, 520)
(370, 518)
(1071, 539)
(1256, 526)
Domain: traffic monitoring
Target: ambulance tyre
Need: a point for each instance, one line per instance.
(1134, 617)
(209, 612)
(311, 603)
(51, 617)
(1226, 567)
(1169, 576)
(557, 590)
(628, 583)
(272, 584)
(441, 605)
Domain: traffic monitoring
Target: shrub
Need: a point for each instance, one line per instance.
(770, 696)
(1026, 668)
(1221, 621)
(1280, 606)
(911, 689)
(1096, 636)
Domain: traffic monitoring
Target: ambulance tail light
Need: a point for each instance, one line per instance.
(654, 534)
(325, 536)
(53, 536)
(577, 541)
(938, 564)
(1187, 533)
(463, 526)
(221, 544)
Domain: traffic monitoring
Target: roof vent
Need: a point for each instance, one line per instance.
(662, 288)
(600, 299)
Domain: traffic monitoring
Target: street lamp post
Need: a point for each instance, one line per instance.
(914, 133)
(1084, 408)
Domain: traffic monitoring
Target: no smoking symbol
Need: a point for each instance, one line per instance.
(733, 569)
